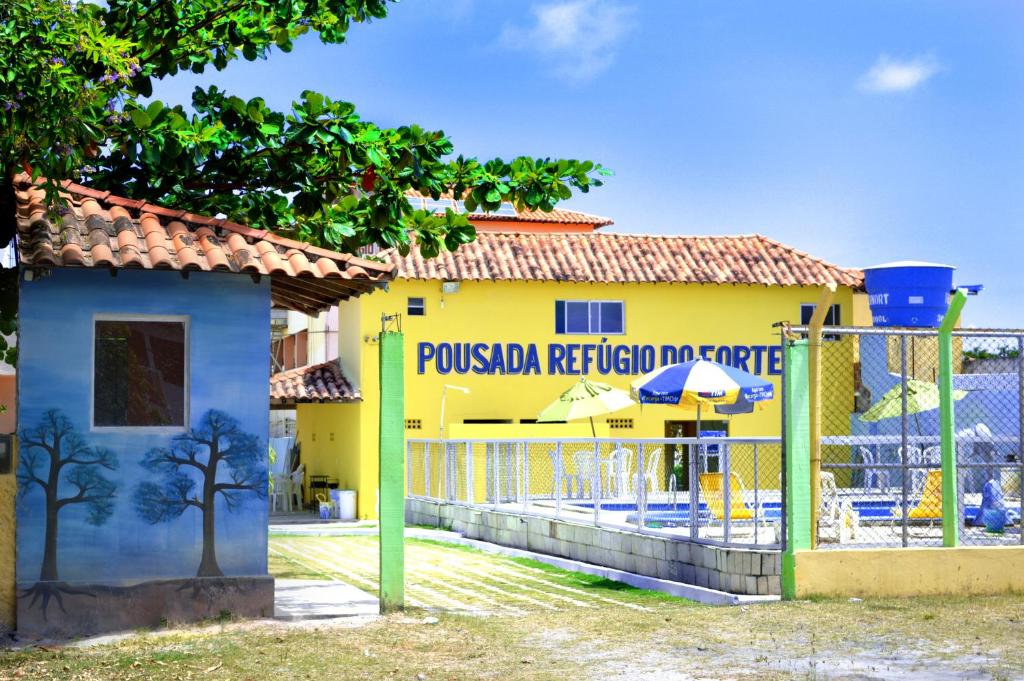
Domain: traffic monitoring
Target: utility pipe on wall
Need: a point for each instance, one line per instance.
(814, 378)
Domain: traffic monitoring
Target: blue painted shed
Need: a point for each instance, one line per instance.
(142, 407)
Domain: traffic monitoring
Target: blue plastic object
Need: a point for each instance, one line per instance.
(908, 293)
(995, 520)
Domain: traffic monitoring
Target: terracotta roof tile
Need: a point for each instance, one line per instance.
(626, 258)
(557, 216)
(98, 229)
(318, 383)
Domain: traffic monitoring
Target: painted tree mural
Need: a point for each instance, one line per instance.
(215, 460)
(69, 472)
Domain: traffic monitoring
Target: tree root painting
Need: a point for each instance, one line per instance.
(44, 592)
(54, 457)
(227, 462)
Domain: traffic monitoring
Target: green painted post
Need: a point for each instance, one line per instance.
(392, 472)
(797, 426)
(947, 424)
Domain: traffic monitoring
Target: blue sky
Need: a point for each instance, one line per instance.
(861, 132)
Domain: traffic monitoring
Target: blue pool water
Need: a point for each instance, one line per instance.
(867, 509)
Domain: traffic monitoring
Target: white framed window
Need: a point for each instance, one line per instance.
(417, 307)
(140, 372)
(607, 317)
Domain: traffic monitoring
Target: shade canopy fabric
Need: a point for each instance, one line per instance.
(921, 396)
(585, 399)
(701, 382)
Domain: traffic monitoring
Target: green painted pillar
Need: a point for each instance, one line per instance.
(797, 398)
(947, 423)
(392, 472)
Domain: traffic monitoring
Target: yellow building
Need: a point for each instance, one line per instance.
(537, 301)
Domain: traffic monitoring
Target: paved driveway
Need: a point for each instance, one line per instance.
(442, 577)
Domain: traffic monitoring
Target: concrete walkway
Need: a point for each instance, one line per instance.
(310, 599)
(678, 589)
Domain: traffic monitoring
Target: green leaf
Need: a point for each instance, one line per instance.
(140, 118)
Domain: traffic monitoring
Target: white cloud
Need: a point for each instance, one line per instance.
(894, 75)
(577, 37)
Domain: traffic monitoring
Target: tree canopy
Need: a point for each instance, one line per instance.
(76, 81)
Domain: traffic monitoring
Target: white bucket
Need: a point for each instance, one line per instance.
(344, 503)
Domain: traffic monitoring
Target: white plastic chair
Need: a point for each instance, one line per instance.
(282, 491)
(932, 455)
(298, 479)
(620, 463)
(873, 477)
(835, 514)
(652, 460)
(584, 472)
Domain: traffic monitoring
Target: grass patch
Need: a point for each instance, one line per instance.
(792, 640)
(788, 640)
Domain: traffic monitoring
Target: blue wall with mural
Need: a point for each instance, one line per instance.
(131, 503)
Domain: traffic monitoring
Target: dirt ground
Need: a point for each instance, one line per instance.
(612, 632)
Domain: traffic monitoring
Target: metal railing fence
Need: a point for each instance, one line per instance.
(880, 442)
(673, 487)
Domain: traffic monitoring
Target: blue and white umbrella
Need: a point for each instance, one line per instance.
(702, 382)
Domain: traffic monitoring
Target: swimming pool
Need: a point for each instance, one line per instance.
(868, 510)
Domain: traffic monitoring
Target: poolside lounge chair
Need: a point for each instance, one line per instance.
(836, 515)
(930, 505)
(713, 487)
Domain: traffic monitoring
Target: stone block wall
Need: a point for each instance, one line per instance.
(737, 571)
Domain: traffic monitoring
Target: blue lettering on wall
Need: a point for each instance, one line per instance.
(583, 359)
(556, 357)
(646, 359)
(758, 351)
(444, 358)
(424, 353)
(497, 360)
(514, 359)
(571, 351)
(462, 358)
(620, 358)
(775, 360)
(685, 353)
(480, 362)
(740, 355)
(532, 364)
(588, 350)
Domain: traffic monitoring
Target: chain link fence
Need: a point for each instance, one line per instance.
(671, 487)
(881, 469)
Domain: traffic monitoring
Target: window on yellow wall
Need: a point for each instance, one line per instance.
(417, 307)
(832, 317)
(590, 317)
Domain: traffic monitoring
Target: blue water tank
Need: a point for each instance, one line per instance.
(908, 293)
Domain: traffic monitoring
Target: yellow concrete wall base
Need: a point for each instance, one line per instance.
(8, 595)
(881, 573)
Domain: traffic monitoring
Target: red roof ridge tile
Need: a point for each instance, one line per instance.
(324, 382)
